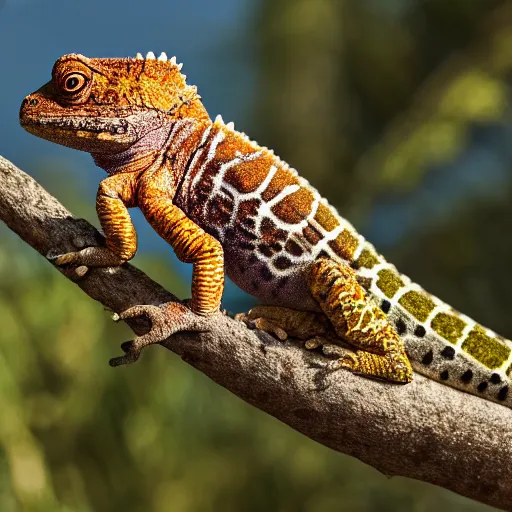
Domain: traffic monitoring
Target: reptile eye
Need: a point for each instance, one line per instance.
(73, 82)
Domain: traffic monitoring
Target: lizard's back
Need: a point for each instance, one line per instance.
(272, 224)
(270, 221)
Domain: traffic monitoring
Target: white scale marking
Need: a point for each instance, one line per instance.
(176, 142)
(201, 151)
(220, 187)
(219, 137)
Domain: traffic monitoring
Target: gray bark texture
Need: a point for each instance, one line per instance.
(422, 430)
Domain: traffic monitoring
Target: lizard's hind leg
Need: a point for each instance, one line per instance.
(359, 321)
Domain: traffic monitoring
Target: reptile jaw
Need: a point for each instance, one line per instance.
(86, 134)
(76, 124)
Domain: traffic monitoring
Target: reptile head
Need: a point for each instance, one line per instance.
(107, 105)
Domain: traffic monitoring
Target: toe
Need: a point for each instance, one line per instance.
(134, 312)
(65, 259)
(166, 320)
(128, 358)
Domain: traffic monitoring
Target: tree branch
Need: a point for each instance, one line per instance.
(423, 430)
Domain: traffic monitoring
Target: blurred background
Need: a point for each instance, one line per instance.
(399, 111)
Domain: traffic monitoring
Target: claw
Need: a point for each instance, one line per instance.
(64, 259)
(127, 346)
(67, 260)
(314, 343)
(241, 317)
(132, 353)
(93, 256)
(81, 270)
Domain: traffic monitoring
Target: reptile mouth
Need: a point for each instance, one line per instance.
(75, 124)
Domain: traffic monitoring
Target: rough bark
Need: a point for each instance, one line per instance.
(423, 430)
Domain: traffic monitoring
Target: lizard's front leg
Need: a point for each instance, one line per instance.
(192, 245)
(115, 194)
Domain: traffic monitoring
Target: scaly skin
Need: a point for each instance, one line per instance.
(223, 202)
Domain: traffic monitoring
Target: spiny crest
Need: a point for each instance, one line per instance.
(162, 57)
(246, 138)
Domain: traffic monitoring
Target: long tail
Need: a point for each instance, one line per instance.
(441, 343)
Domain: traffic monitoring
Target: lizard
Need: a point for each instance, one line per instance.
(226, 204)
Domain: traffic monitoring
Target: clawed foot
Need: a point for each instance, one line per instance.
(314, 328)
(285, 322)
(166, 320)
(390, 368)
(380, 367)
(343, 356)
(263, 324)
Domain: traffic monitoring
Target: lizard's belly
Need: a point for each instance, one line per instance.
(256, 276)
